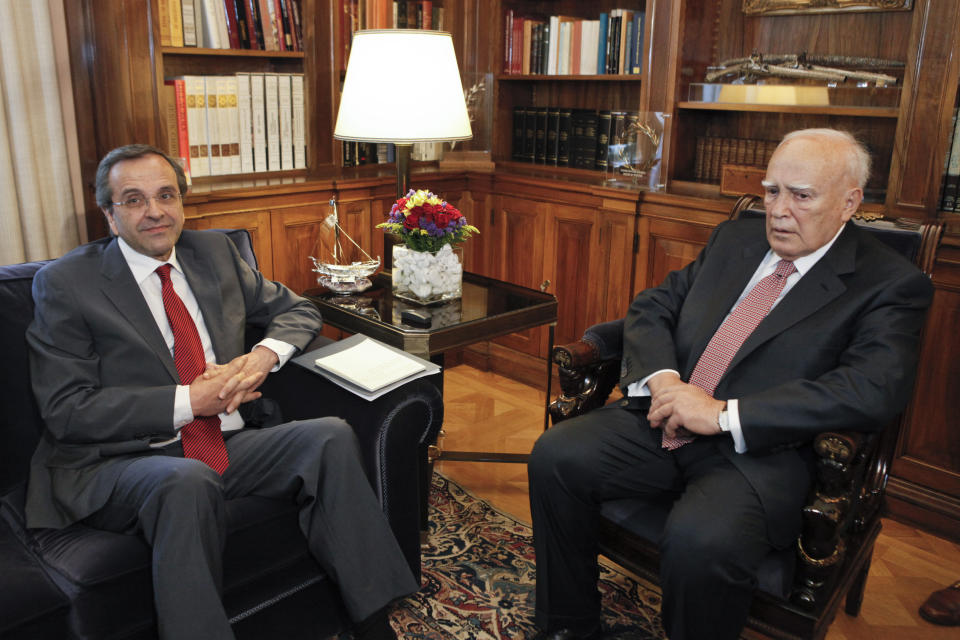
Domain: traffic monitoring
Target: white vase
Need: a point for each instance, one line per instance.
(427, 277)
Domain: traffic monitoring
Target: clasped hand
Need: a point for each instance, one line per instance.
(221, 388)
(680, 408)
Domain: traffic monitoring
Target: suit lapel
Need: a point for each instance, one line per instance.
(815, 290)
(202, 277)
(124, 292)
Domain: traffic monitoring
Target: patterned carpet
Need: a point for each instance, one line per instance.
(478, 579)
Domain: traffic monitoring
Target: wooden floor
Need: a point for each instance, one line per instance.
(487, 412)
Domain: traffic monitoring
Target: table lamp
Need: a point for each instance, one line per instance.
(402, 86)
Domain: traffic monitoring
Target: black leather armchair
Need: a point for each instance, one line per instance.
(801, 589)
(84, 583)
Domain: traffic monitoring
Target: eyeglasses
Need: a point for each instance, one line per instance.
(137, 204)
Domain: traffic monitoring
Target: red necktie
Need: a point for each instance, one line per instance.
(202, 438)
(732, 334)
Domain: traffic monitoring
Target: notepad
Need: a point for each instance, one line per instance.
(369, 365)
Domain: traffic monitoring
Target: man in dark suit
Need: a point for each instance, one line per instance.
(724, 395)
(136, 444)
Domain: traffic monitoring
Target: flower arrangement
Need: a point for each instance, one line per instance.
(427, 223)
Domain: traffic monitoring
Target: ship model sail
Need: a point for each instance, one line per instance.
(334, 271)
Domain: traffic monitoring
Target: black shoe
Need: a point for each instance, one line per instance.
(567, 634)
(375, 627)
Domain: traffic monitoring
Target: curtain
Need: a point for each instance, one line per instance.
(39, 207)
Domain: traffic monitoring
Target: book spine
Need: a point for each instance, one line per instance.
(639, 20)
(602, 44)
(211, 30)
(519, 118)
(243, 22)
(540, 136)
(223, 25)
(553, 132)
(530, 134)
(300, 125)
(951, 181)
(297, 25)
(254, 32)
(197, 126)
(269, 26)
(426, 8)
(258, 110)
(271, 99)
(212, 111)
(183, 135)
(170, 117)
(230, 20)
(564, 137)
(198, 23)
(245, 122)
(554, 44)
(229, 124)
(585, 139)
(163, 9)
(285, 103)
(402, 14)
(285, 22)
(189, 20)
(604, 121)
(277, 17)
(176, 23)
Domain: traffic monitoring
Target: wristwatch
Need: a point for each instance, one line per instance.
(723, 419)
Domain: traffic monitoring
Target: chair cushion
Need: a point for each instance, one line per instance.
(107, 575)
(31, 606)
(647, 521)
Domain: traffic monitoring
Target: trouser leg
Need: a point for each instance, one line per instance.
(177, 505)
(574, 466)
(712, 545)
(318, 463)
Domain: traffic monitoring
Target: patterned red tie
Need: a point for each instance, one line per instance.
(732, 334)
(202, 438)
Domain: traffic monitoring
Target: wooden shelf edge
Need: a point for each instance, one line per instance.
(860, 112)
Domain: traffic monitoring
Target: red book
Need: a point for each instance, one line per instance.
(180, 91)
(278, 21)
(517, 66)
(427, 9)
(295, 28)
(232, 28)
(508, 42)
(253, 24)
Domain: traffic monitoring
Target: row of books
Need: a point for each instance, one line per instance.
(567, 137)
(386, 14)
(950, 199)
(244, 123)
(564, 45)
(270, 25)
(714, 152)
(356, 154)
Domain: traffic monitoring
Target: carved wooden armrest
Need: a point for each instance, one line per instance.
(838, 507)
(585, 379)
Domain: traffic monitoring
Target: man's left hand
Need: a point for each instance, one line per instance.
(258, 364)
(686, 408)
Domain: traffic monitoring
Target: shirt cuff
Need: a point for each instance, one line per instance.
(640, 389)
(733, 415)
(182, 409)
(283, 350)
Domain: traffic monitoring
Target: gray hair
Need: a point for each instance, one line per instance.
(130, 152)
(857, 159)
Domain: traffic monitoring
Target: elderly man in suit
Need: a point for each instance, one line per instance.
(138, 366)
(778, 330)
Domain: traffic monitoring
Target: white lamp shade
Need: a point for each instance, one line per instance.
(402, 86)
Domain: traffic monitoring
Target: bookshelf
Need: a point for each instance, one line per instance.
(534, 81)
(868, 112)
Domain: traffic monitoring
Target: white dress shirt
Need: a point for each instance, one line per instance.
(144, 272)
(767, 266)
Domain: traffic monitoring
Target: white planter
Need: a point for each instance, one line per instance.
(427, 278)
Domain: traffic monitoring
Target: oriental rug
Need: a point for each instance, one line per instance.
(478, 579)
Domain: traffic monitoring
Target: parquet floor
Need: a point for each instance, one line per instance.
(487, 412)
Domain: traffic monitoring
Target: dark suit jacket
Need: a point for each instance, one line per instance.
(838, 352)
(102, 374)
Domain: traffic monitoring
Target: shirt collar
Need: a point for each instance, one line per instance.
(805, 263)
(142, 265)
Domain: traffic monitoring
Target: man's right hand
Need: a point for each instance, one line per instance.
(205, 389)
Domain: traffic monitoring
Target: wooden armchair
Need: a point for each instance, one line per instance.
(800, 590)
